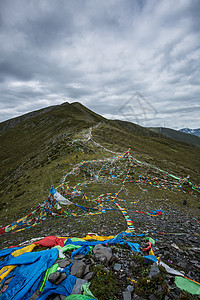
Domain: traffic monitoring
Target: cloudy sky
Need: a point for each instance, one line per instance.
(135, 60)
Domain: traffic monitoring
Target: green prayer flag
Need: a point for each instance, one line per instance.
(187, 285)
(150, 240)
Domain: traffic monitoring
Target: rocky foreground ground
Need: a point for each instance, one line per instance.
(125, 274)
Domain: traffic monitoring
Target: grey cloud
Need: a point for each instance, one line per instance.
(14, 70)
(100, 53)
(77, 93)
(188, 109)
(49, 28)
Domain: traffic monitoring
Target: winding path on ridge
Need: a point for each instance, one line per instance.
(114, 169)
(116, 173)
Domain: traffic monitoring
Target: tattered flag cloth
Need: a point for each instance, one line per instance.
(30, 273)
(9, 267)
(50, 241)
(32, 270)
(61, 199)
(29, 269)
(188, 285)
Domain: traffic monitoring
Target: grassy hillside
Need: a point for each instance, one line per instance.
(177, 135)
(134, 128)
(31, 135)
(84, 156)
(36, 153)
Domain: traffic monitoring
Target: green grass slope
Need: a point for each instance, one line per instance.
(176, 157)
(134, 128)
(40, 149)
(36, 153)
(30, 135)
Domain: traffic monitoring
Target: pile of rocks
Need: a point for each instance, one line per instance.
(129, 269)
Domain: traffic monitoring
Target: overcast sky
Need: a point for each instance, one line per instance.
(132, 60)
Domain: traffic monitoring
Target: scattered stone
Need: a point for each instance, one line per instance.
(129, 288)
(54, 277)
(153, 297)
(174, 296)
(77, 287)
(154, 271)
(159, 289)
(136, 297)
(126, 295)
(88, 261)
(88, 276)
(102, 253)
(175, 246)
(78, 268)
(87, 270)
(63, 263)
(176, 293)
(133, 264)
(57, 277)
(62, 277)
(197, 266)
(181, 264)
(79, 256)
(117, 267)
(194, 261)
(72, 260)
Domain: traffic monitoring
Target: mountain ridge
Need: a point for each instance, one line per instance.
(10, 123)
(177, 135)
(191, 131)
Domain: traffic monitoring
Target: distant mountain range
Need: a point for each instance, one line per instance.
(179, 135)
(191, 131)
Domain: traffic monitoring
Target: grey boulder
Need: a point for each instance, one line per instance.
(102, 253)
